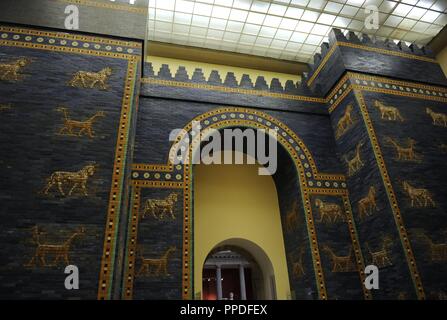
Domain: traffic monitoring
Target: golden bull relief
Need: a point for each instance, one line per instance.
(367, 205)
(72, 180)
(90, 80)
(388, 112)
(419, 197)
(155, 267)
(340, 263)
(78, 128)
(329, 212)
(438, 119)
(404, 153)
(11, 71)
(159, 208)
(59, 252)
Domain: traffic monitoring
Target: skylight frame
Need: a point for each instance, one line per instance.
(269, 28)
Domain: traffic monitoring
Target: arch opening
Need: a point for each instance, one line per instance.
(244, 269)
(296, 166)
(235, 206)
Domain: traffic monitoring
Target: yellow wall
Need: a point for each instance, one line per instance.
(442, 59)
(233, 201)
(223, 70)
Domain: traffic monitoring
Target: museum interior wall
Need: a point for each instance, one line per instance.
(442, 59)
(87, 158)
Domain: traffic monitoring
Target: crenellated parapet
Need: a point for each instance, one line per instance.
(366, 54)
(230, 88)
(387, 44)
(228, 80)
(343, 53)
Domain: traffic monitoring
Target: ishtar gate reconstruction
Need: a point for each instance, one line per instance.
(100, 100)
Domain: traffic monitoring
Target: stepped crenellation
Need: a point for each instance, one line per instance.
(337, 36)
(230, 80)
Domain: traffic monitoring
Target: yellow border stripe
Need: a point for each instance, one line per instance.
(69, 36)
(114, 209)
(67, 49)
(131, 247)
(322, 64)
(388, 52)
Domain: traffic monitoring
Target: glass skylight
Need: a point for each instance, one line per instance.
(287, 29)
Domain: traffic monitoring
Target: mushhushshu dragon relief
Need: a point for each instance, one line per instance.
(340, 263)
(291, 218)
(329, 212)
(438, 119)
(160, 208)
(355, 163)
(91, 80)
(72, 180)
(345, 122)
(297, 266)
(404, 153)
(155, 266)
(12, 71)
(59, 252)
(78, 128)
(381, 258)
(419, 197)
(368, 204)
(388, 112)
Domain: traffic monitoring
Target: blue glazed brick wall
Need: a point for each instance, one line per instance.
(155, 237)
(373, 228)
(296, 240)
(157, 117)
(335, 235)
(33, 149)
(349, 53)
(426, 171)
